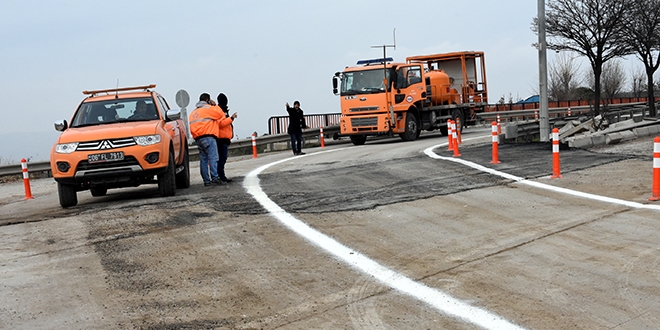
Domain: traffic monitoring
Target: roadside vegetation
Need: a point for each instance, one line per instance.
(603, 32)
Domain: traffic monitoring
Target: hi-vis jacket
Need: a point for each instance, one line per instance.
(226, 130)
(205, 119)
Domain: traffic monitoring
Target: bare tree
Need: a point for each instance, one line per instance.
(613, 78)
(590, 28)
(563, 78)
(643, 35)
(637, 78)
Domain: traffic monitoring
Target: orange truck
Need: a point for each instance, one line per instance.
(382, 97)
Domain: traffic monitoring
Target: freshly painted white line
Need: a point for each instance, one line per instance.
(437, 299)
(430, 153)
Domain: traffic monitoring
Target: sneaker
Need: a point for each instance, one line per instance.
(206, 184)
(226, 180)
(301, 153)
(217, 181)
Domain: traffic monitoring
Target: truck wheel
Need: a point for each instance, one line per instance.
(98, 191)
(166, 180)
(412, 128)
(68, 195)
(458, 114)
(358, 140)
(183, 177)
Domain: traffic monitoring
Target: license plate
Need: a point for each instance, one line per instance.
(105, 157)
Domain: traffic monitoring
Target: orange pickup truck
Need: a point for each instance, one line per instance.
(120, 137)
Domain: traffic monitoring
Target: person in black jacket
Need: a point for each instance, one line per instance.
(296, 125)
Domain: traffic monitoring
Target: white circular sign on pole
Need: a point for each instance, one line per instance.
(182, 98)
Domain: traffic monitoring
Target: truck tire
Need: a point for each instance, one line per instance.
(358, 140)
(68, 195)
(167, 179)
(98, 191)
(183, 177)
(412, 128)
(458, 114)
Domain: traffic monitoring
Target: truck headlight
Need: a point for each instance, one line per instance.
(147, 140)
(66, 148)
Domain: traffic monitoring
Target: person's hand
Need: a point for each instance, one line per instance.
(211, 102)
(287, 105)
(233, 116)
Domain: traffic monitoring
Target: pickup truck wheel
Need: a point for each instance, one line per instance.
(412, 128)
(358, 140)
(68, 195)
(98, 191)
(166, 180)
(183, 177)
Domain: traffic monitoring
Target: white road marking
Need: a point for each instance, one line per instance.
(437, 299)
(429, 152)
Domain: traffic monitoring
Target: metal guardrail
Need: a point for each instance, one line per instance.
(614, 110)
(39, 167)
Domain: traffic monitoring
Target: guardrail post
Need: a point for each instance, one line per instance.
(555, 154)
(496, 141)
(536, 115)
(321, 137)
(450, 136)
(456, 152)
(569, 111)
(254, 146)
(656, 169)
(26, 179)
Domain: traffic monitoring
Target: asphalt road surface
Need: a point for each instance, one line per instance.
(389, 235)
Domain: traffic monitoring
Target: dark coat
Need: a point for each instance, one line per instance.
(296, 120)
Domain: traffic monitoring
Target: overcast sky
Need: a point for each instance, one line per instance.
(261, 54)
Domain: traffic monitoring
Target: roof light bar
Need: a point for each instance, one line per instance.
(122, 89)
(375, 61)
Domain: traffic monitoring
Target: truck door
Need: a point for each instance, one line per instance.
(409, 84)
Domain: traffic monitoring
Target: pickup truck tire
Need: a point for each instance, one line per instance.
(358, 140)
(166, 180)
(183, 177)
(68, 195)
(98, 191)
(412, 128)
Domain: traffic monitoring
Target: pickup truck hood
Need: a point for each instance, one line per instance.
(109, 131)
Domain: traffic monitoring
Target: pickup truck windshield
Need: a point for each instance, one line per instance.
(113, 111)
(363, 82)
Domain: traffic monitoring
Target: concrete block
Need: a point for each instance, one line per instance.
(641, 131)
(653, 129)
(628, 135)
(511, 131)
(598, 140)
(613, 138)
(582, 142)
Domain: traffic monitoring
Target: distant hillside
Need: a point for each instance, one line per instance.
(34, 146)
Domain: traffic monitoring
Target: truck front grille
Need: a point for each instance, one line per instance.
(361, 122)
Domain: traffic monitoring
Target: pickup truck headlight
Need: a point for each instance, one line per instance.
(66, 148)
(147, 140)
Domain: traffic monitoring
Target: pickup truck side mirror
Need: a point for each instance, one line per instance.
(61, 125)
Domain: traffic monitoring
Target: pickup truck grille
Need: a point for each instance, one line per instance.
(370, 121)
(106, 144)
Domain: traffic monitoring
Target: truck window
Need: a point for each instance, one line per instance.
(363, 82)
(408, 75)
